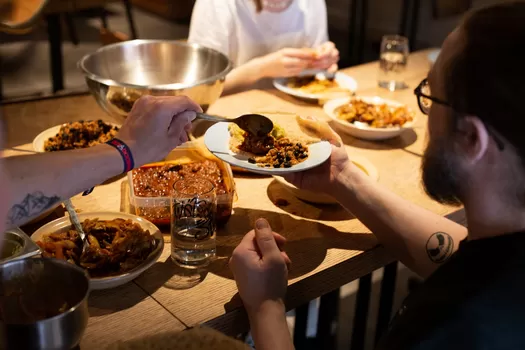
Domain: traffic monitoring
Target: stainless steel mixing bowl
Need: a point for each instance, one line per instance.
(43, 304)
(117, 75)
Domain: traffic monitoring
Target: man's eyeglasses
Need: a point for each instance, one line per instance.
(425, 100)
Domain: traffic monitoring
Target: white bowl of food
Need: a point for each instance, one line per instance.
(320, 198)
(127, 246)
(81, 134)
(370, 117)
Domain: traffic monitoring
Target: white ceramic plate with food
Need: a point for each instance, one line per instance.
(96, 283)
(363, 130)
(347, 86)
(321, 198)
(40, 140)
(217, 140)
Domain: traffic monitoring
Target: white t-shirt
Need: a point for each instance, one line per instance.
(234, 28)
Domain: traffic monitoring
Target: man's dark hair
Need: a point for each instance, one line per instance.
(487, 77)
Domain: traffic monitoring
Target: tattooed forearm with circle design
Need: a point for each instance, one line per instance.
(440, 247)
(33, 205)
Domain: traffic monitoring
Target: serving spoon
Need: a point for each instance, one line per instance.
(255, 124)
(76, 223)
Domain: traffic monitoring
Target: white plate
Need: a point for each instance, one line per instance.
(344, 81)
(118, 280)
(432, 57)
(40, 139)
(217, 140)
(362, 130)
(321, 198)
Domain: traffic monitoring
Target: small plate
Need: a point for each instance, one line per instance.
(344, 81)
(363, 131)
(217, 139)
(40, 139)
(321, 198)
(117, 280)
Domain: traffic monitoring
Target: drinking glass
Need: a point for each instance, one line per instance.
(393, 62)
(193, 227)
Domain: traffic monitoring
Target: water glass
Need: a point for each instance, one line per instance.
(393, 62)
(193, 226)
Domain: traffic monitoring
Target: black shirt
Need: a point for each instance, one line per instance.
(476, 300)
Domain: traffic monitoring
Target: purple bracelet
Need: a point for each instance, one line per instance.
(125, 153)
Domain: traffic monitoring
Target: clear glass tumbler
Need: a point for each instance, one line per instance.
(193, 225)
(393, 61)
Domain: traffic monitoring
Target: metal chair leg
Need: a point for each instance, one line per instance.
(55, 51)
(301, 321)
(104, 18)
(131, 22)
(327, 321)
(361, 312)
(386, 300)
(68, 19)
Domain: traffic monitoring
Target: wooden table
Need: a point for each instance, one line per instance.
(327, 245)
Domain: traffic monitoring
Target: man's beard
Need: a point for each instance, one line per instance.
(441, 173)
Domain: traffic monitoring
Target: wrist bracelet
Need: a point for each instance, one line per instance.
(125, 152)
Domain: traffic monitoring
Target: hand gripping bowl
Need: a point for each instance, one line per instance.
(117, 75)
(43, 304)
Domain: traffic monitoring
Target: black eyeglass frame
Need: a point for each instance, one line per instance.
(418, 91)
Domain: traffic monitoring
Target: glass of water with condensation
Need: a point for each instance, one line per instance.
(393, 62)
(193, 227)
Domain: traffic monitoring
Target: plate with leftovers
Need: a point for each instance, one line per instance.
(274, 154)
(319, 86)
(74, 135)
(122, 246)
(370, 118)
(320, 198)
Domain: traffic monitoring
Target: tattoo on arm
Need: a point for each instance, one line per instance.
(33, 204)
(440, 247)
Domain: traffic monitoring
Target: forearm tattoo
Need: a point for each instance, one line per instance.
(440, 247)
(33, 204)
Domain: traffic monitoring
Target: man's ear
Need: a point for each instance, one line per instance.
(473, 138)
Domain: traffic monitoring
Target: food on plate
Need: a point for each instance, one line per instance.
(115, 246)
(314, 127)
(314, 85)
(275, 150)
(376, 115)
(156, 181)
(81, 134)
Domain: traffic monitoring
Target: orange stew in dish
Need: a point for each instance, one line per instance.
(156, 181)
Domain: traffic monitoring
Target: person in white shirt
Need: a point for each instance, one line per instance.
(265, 38)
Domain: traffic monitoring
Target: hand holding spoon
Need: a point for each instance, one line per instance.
(255, 124)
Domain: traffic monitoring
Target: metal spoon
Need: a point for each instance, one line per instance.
(255, 124)
(76, 223)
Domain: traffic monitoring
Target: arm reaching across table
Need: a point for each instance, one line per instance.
(154, 127)
(403, 227)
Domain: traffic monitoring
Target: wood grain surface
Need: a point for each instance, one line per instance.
(328, 246)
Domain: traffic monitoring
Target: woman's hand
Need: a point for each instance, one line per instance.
(286, 63)
(260, 268)
(327, 57)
